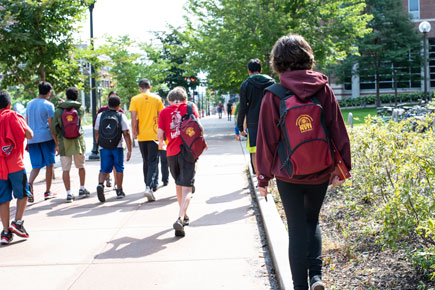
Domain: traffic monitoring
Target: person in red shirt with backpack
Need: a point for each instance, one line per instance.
(13, 178)
(298, 151)
(181, 165)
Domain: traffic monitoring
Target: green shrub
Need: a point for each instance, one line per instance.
(393, 187)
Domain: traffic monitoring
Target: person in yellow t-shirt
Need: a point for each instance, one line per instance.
(145, 109)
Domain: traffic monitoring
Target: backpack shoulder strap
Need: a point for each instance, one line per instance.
(280, 91)
(190, 108)
(283, 93)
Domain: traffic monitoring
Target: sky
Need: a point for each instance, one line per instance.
(136, 18)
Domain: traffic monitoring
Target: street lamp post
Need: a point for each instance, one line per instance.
(424, 28)
(94, 154)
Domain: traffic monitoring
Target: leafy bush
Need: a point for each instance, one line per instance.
(393, 187)
(385, 99)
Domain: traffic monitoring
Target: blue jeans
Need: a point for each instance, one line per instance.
(149, 151)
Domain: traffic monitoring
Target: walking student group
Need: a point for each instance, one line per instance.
(54, 131)
(295, 130)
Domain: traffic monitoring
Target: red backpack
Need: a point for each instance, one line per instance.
(191, 134)
(70, 120)
(306, 147)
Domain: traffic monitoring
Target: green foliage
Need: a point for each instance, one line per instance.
(223, 35)
(390, 52)
(385, 99)
(38, 45)
(392, 188)
(174, 53)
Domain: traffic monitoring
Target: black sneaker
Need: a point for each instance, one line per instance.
(317, 283)
(31, 198)
(84, 193)
(100, 193)
(6, 238)
(186, 221)
(179, 228)
(120, 194)
(70, 198)
(18, 229)
(165, 183)
(49, 195)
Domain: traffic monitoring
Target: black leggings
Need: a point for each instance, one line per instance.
(302, 203)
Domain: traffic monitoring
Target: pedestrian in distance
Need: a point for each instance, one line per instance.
(68, 135)
(251, 95)
(229, 110)
(303, 175)
(110, 127)
(13, 179)
(182, 169)
(145, 109)
(220, 109)
(42, 147)
(100, 110)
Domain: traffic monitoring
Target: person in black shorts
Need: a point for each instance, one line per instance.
(182, 170)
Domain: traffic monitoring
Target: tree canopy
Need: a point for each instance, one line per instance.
(224, 34)
(38, 44)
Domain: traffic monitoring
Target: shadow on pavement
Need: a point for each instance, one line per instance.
(224, 217)
(235, 195)
(128, 247)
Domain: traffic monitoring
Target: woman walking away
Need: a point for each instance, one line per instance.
(297, 151)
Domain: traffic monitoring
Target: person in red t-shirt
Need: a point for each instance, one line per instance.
(181, 170)
(13, 178)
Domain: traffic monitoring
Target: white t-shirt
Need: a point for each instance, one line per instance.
(124, 125)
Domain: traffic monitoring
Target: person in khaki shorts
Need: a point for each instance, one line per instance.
(70, 148)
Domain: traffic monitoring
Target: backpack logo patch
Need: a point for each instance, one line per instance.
(304, 123)
(190, 131)
(69, 118)
(108, 127)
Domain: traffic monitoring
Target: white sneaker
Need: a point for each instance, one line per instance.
(149, 194)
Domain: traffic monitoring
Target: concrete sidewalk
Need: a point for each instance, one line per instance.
(130, 243)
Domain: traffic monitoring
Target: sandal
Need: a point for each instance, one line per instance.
(30, 198)
(108, 182)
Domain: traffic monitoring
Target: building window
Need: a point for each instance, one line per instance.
(431, 61)
(414, 8)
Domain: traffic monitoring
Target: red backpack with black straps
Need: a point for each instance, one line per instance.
(306, 146)
(191, 134)
(70, 123)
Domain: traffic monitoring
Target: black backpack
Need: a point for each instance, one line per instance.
(110, 130)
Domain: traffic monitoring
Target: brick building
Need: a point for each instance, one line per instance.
(419, 10)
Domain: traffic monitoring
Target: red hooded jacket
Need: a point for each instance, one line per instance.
(304, 84)
(12, 136)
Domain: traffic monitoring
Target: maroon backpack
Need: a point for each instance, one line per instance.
(70, 120)
(191, 134)
(306, 146)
